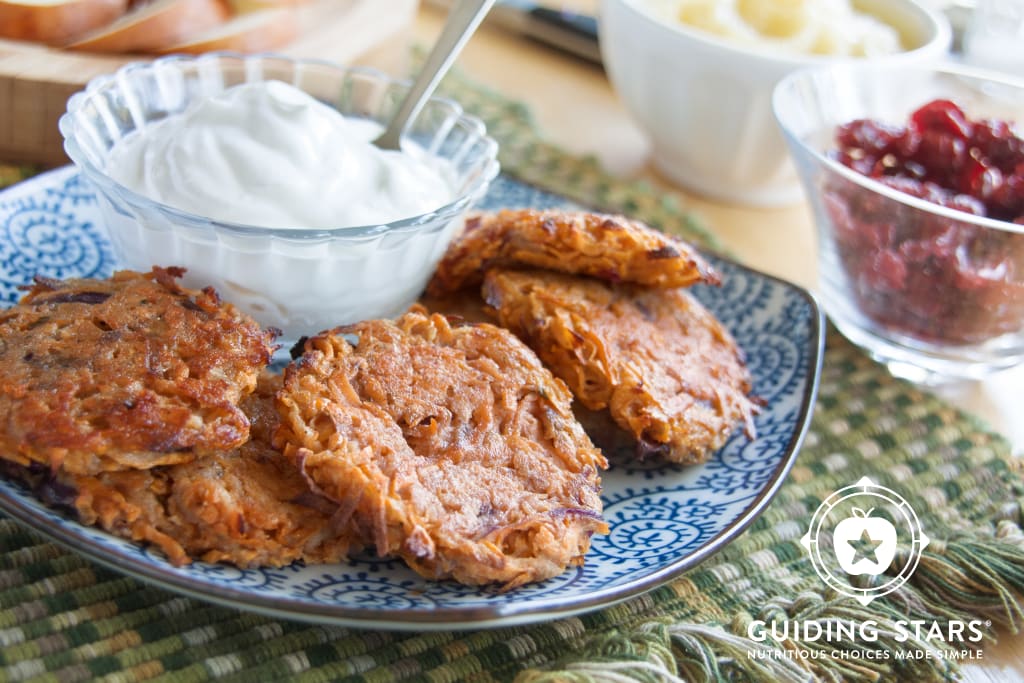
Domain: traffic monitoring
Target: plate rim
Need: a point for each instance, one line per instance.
(503, 614)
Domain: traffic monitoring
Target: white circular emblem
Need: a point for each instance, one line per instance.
(856, 531)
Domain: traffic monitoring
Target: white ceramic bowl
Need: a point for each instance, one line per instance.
(705, 102)
(936, 294)
(299, 280)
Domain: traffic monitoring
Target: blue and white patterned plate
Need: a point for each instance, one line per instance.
(664, 519)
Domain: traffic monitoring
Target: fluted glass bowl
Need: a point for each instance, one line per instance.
(299, 280)
(935, 293)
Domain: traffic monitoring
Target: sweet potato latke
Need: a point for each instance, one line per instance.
(612, 248)
(451, 446)
(248, 506)
(130, 372)
(663, 366)
(147, 409)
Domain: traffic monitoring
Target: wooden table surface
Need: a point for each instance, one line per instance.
(574, 106)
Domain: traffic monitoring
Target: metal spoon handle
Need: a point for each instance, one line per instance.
(462, 21)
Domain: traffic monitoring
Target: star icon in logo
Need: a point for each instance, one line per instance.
(865, 547)
(860, 530)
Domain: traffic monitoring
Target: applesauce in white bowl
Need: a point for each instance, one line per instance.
(703, 96)
(256, 174)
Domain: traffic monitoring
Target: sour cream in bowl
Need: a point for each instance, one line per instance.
(258, 174)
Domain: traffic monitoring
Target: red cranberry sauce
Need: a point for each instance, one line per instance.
(927, 276)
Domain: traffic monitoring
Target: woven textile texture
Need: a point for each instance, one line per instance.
(65, 619)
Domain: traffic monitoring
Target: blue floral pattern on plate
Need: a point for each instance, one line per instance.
(664, 518)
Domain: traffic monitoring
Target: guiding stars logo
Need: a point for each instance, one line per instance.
(866, 534)
(857, 531)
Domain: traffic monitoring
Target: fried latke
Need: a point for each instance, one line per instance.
(249, 506)
(667, 371)
(450, 446)
(125, 373)
(612, 248)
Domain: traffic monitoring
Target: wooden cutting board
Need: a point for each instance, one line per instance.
(36, 81)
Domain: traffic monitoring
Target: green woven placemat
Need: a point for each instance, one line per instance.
(65, 619)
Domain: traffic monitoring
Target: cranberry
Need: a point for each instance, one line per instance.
(942, 116)
(1007, 200)
(971, 176)
(941, 155)
(888, 270)
(987, 184)
(869, 136)
(908, 144)
(997, 143)
(928, 275)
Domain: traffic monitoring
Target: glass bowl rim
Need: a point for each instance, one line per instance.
(832, 71)
(105, 82)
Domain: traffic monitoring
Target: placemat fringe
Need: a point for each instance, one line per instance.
(975, 578)
(961, 580)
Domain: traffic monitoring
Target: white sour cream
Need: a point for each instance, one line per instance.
(810, 27)
(267, 154)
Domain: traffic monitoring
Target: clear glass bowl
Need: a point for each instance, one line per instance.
(934, 293)
(299, 280)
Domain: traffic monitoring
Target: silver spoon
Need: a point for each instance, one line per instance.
(462, 21)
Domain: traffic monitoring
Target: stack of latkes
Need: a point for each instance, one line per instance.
(148, 409)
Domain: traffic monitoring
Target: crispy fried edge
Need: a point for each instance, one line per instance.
(613, 248)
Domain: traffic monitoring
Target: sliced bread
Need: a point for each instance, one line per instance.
(243, 6)
(56, 22)
(251, 32)
(154, 26)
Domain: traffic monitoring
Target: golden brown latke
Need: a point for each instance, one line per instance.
(130, 372)
(612, 248)
(664, 367)
(249, 506)
(450, 446)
